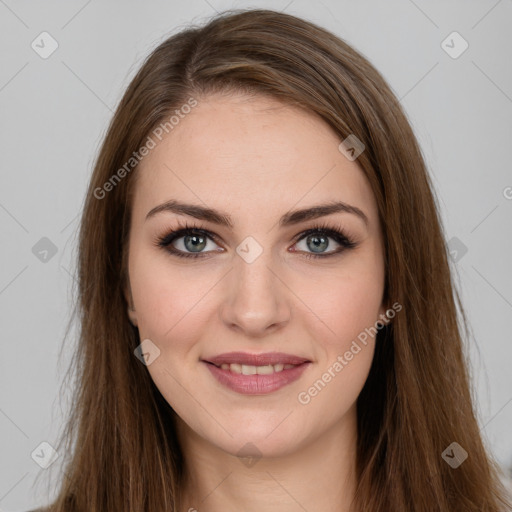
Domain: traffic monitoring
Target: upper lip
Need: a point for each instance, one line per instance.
(267, 358)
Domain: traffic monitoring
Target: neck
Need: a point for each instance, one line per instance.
(318, 475)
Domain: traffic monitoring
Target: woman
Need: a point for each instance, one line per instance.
(266, 306)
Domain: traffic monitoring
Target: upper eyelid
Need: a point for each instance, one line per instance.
(331, 232)
(179, 230)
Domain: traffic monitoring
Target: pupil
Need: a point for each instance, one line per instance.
(319, 242)
(198, 242)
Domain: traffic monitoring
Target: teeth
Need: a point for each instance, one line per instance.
(246, 369)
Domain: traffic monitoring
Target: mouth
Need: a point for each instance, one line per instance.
(256, 374)
(246, 369)
(265, 359)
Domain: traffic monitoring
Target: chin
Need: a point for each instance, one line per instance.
(255, 448)
(259, 439)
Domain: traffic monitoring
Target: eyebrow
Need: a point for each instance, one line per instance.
(288, 219)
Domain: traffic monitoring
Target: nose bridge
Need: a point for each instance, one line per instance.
(256, 300)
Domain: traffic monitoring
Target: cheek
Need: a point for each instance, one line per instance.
(345, 354)
(168, 298)
(353, 310)
(345, 303)
(343, 324)
(170, 304)
(333, 391)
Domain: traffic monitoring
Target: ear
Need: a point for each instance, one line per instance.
(132, 314)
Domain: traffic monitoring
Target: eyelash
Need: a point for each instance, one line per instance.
(184, 229)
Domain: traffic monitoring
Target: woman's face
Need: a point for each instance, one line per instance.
(243, 166)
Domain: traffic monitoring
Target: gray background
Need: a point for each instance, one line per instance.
(54, 112)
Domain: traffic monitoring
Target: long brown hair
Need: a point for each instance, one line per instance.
(120, 444)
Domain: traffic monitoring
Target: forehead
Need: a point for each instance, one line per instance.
(251, 156)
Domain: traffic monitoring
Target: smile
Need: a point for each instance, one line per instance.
(245, 369)
(256, 374)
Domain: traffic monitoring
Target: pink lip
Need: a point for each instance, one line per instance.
(256, 384)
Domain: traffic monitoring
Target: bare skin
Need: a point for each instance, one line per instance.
(255, 160)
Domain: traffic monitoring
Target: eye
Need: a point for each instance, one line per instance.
(317, 243)
(188, 242)
(317, 239)
(192, 242)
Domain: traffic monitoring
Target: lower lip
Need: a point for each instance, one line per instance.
(257, 384)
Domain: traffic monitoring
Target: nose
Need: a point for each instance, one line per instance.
(257, 300)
